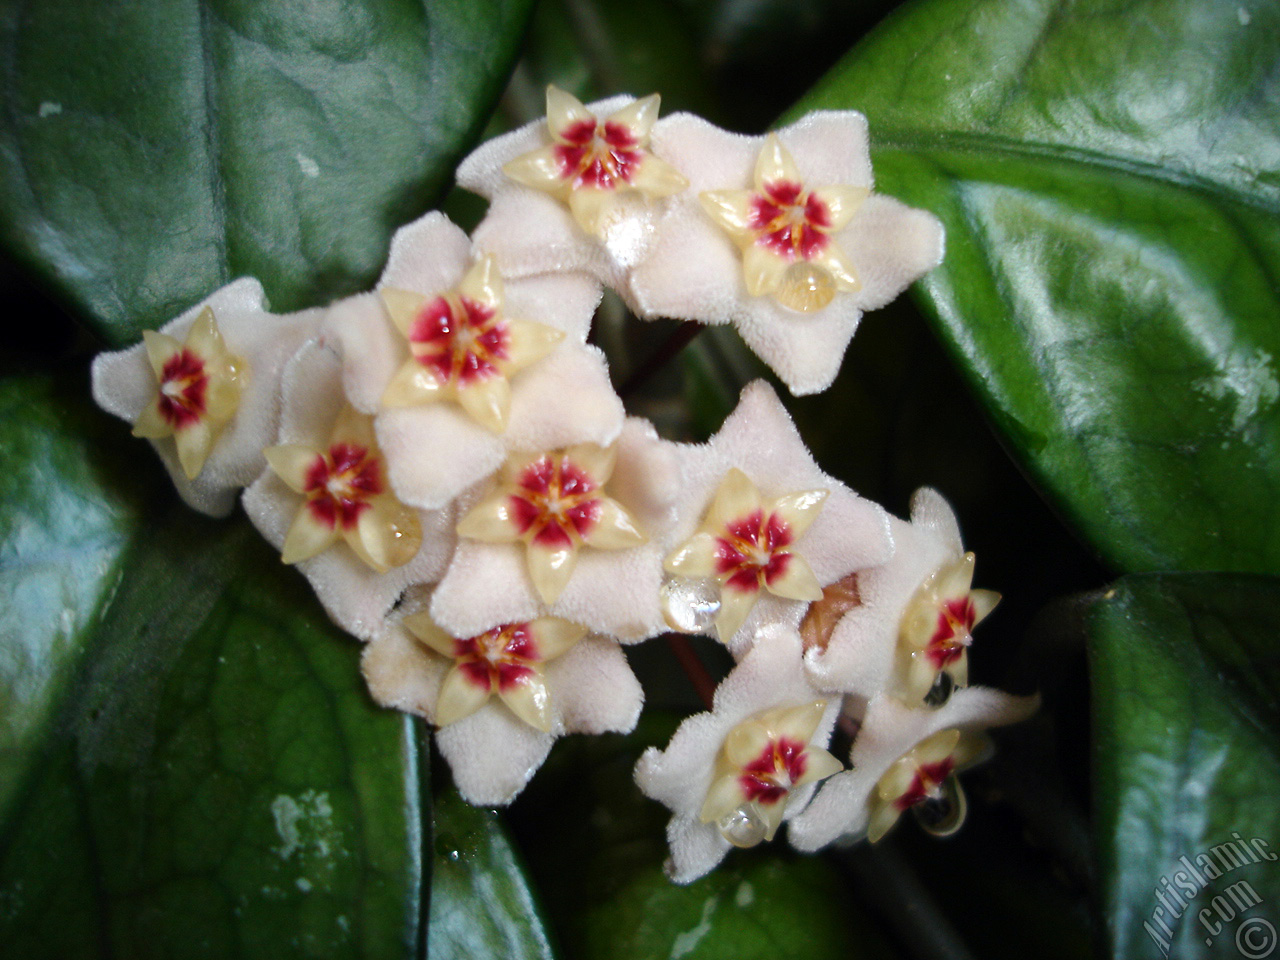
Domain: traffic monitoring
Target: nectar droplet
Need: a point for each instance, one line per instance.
(806, 287)
(943, 815)
(745, 827)
(690, 605)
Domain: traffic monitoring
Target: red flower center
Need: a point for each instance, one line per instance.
(499, 658)
(790, 221)
(459, 340)
(927, 783)
(751, 551)
(597, 154)
(556, 503)
(954, 631)
(340, 484)
(770, 776)
(183, 385)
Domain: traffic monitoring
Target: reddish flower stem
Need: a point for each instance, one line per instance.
(703, 685)
(681, 338)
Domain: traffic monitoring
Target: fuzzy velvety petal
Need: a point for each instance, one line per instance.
(681, 776)
(356, 597)
(889, 729)
(124, 384)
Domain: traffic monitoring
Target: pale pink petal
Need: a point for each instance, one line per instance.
(890, 729)
(411, 440)
(124, 384)
(429, 255)
(492, 755)
(769, 676)
(355, 596)
(594, 688)
(362, 333)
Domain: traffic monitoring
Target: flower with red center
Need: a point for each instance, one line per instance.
(554, 503)
(346, 497)
(506, 661)
(745, 544)
(919, 775)
(199, 385)
(463, 347)
(783, 229)
(591, 161)
(937, 628)
(762, 760)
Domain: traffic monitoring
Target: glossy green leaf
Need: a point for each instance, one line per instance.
(1107, 174)
(1186, 722)
(195, 768)
(482, 903)
(597, 846)
(153, 151)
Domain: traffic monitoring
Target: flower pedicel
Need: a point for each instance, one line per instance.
(504, 525)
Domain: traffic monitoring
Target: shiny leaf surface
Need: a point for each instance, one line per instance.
(1107, 175)
(152, 152)
(482, 902)
(1186, 718)
(597, 846)
(196, 770)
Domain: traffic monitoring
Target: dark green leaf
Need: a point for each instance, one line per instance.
(597, 846)
(152, 152)
(482, 904)
(1107, 174)
(1186, 717)
(197, 769)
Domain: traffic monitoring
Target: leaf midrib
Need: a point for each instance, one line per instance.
(913, 140)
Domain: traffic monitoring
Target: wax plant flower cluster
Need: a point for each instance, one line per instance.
(446, 461)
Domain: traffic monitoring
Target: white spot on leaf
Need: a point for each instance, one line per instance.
(745, 895)
(1243, 16)
(686, 942)
(50, 109)
(308, 166)
(1249, 382)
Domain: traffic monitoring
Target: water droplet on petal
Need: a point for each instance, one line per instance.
(943, 686)
(806, 287)
(691, 605)
(944, 814)
(745, 827)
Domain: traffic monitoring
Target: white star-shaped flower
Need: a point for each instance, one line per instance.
(513, 354)
(291, 511)
(204, 390)
(579, 191)
(733, 775)
(611, 585)
(914, 615)
(901, 756)
(761, 529)
(502, 695)
(781, 236)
